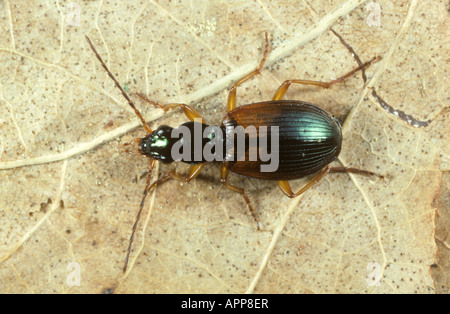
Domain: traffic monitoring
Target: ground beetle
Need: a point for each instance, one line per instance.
(309, 138)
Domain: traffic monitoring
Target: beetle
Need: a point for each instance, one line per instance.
(308, 138)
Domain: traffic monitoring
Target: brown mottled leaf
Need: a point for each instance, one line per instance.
(69, 193)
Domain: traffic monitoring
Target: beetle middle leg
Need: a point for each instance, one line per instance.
(188, 111)
(231, 104)
(281, 91)
(224, 179)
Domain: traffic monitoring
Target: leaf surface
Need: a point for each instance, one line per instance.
(69, 193)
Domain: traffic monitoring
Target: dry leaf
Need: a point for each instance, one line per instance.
(441, 269)
(69, 193)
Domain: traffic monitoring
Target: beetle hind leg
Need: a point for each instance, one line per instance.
(286, 187)
(355, 171)
(281, 91)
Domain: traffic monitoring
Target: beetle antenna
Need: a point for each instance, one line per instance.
(138, 216)
(147, 128)
(350, 49)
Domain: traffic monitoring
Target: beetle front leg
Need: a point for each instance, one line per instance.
(193, 172)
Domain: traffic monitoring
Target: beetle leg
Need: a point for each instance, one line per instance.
(190, 112)
(193, 172)
(231, 104)
(286, 187)
(224, 178)
(356, 171)
(281, 91)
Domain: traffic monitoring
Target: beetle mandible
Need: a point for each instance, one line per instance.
(309, 138)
